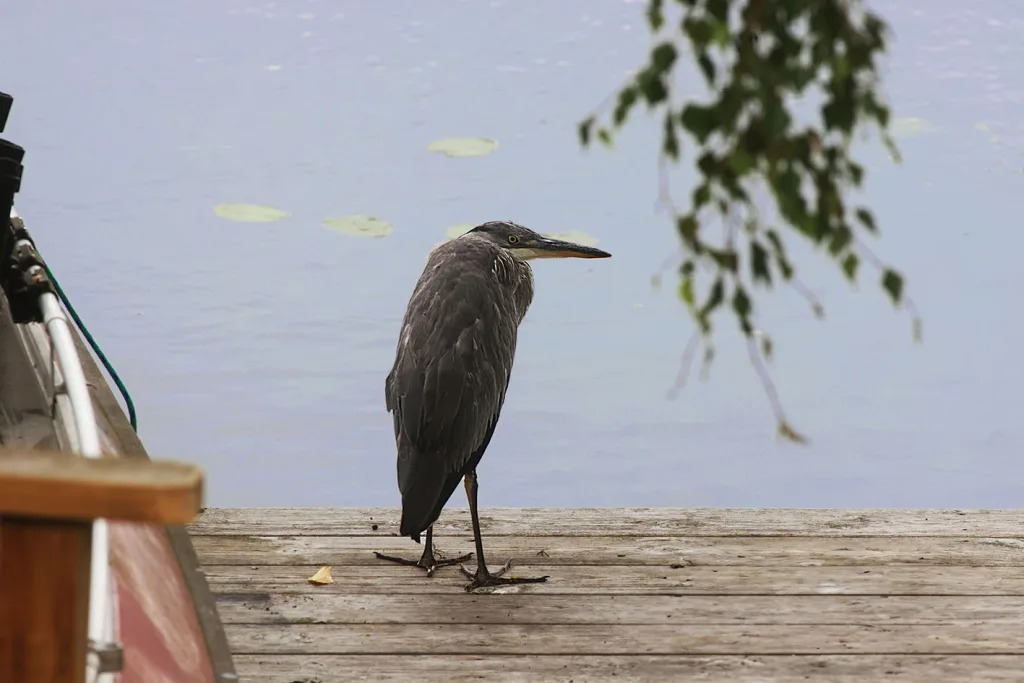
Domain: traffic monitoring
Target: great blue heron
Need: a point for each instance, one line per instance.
(451, 371)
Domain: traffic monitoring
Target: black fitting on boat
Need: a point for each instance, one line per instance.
(23, 274)
(11, 156)
(5, 109)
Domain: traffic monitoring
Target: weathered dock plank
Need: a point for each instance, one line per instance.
(788, 551)
(632, 669)
(633, 595)
(571, 522)
(456, 607)
(632, 639)
(638, 579)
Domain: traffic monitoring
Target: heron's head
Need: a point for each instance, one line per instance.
(526, 244)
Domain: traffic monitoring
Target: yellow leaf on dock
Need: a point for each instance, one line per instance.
(322, 577)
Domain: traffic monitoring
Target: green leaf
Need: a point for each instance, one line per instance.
(687, 226)
(866, 219)
(707, 163)
(719, 9)
(698, 120)
(725, 259)
(653, 88)
(670, 141)
(780, 254)
(663, 57)
(701, 196)
(707, 67)
(742, 306)
(785, 267)
(699, 31)
(759, 268)
(715, 298)
(655, 15)
(720, 33)
(686, 291)
(584, 130)
(841, 238)
(627, 98)
(892, 282)
(850, 264)
(856, 173)
(740, 161)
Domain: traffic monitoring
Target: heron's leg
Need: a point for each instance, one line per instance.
(483, 576)
(427, 560)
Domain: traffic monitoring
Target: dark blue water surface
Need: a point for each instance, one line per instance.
(260, 350)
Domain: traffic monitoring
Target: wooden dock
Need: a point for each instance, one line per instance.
(720, 595)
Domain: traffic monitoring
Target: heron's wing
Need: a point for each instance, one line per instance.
(455, 354)
(452, 369)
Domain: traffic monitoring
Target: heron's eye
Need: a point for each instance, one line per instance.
(512, 239)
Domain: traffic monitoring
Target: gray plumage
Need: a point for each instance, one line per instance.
(452, 368)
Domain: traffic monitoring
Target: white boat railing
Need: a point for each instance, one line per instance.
(68, 382)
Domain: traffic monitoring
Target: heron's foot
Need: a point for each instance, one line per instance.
(485, 578)
(427, 561)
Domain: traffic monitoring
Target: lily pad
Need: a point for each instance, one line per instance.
(249, 213)
(359, 226)
(576, 236)
(463, 147)
(910, 126)
(459, 230)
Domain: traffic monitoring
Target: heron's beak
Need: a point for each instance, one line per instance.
(547, 247)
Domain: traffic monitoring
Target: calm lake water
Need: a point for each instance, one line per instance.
(260, 350)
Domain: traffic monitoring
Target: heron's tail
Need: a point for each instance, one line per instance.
(422, 480)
